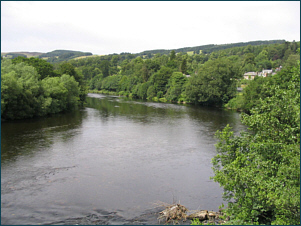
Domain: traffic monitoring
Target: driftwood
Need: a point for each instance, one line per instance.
(201, 215)
(173, 213)
(176, 212)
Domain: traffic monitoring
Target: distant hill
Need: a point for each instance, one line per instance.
(209, 48)
(52, 57)
(24, 54)
(63, 55)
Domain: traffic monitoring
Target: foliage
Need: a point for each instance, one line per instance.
(26, 94)
(61, 93)
(212, 73)
(13, 55)
(210, 48)
(260, 169)
(62, 55)
(236, 103)
(196, 221)
(43, 68)
(215, 83)
(175, 86)
(20, 90)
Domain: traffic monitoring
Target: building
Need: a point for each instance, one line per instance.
(250, 75)
(265, 73)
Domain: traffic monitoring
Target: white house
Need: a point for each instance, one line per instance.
(250, 75)
(265, 73)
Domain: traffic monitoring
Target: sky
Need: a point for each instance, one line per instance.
(107, 27)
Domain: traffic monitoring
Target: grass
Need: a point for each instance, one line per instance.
(82, 57)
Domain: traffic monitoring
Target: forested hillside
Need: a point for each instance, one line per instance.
(52, 57)
(62, 55)
(209, 48)
(203, 78)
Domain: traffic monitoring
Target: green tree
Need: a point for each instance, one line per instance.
(184, 66)
(105, 68)
(172, 55)
(215, 82)
(43, 68)
(160, 79)
(262, 60)
(260, 169)
(20, 91)
(61, 93)
(69, 69)
(142, 90)
(176, 84)
(24, 95)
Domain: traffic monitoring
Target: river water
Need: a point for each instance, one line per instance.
(112, 162)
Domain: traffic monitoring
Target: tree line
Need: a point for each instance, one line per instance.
(208, 79)
(210, 48)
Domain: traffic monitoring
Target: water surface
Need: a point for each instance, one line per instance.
(110, 162)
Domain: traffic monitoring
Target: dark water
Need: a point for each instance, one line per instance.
(110, 162)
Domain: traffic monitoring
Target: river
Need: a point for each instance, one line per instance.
(112, 162)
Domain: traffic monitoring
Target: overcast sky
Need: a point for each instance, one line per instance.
(114, 27)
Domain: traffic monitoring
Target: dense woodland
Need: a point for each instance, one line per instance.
(207, 79)
(259, 169)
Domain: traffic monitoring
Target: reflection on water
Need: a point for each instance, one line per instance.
(115, 158)
(26, 136)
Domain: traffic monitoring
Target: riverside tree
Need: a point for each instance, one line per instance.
(214, 84)
(260, 169)
(26, 94)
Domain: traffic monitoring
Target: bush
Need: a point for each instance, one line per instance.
(260, 170)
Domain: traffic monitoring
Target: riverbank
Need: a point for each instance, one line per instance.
(155, 99)
(179, 214)
(130, 95)
(149, 217)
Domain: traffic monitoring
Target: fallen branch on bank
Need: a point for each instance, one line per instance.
(177, 212)
(173, 213)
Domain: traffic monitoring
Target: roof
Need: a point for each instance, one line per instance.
(250, 73)
(267, 71)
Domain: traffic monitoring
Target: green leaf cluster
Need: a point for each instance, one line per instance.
(260, 169)
(26, 94)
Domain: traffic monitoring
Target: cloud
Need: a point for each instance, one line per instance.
(113, 27)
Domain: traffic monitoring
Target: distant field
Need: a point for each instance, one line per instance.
(81, 57)
(190, 53)
(28, 54)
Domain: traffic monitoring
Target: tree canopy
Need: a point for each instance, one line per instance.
(260, 169)
(212, 76)
(26, 94)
